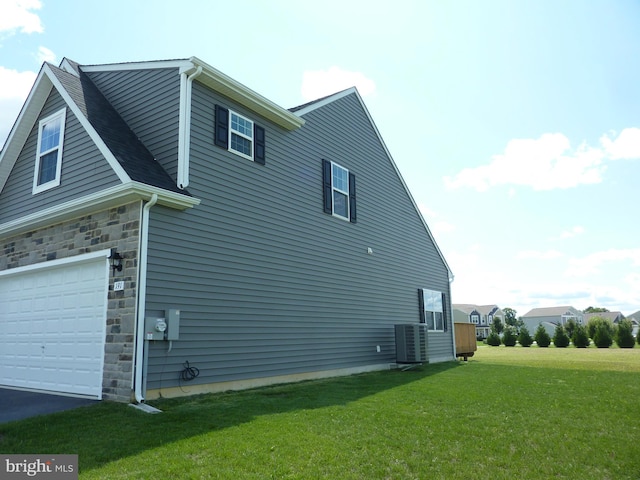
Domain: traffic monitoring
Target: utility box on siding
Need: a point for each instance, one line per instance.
(411, 343)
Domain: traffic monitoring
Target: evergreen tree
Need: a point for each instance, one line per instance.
(541, 337)
(509, 336)
(580, 337)
(493, 339)
(560, 337)
(524, 337)
(624, 334)
(570, 327)
(603, 337)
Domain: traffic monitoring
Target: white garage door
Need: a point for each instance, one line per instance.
(52, 326)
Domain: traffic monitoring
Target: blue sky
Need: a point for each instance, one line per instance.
(516, 125)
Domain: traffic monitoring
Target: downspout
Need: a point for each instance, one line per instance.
(453, 328)
(142, 294)
(184, 125)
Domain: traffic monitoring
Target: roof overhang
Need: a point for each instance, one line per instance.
(218, 81)
(109, 198)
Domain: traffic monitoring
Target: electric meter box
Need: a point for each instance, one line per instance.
(173, 323)
(154, 328)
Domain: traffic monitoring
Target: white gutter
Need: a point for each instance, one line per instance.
(142, 293)
(184, 124)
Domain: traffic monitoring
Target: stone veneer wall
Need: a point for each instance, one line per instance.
(118, 228)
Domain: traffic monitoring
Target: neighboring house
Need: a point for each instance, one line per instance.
(635, 321)
(613, 317)
(159, 213)
(480, 315)
(551, 317)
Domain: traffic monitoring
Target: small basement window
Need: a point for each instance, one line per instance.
(49, 152)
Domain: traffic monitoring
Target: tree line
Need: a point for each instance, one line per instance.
(599, 330)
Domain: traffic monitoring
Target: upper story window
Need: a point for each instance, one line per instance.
(49, 152)
(240, 135)
(475, 319)
(432, 309)
(339, 191)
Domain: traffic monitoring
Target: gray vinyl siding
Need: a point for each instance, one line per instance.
(84, 169)
(267, 283)
(149, 102)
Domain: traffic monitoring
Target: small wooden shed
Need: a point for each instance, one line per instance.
(465, 339)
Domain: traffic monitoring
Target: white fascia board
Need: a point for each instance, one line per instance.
(234, 90)
(108, 198)
(84, 121)
(325, 101)
(22, 127)
(219, 82)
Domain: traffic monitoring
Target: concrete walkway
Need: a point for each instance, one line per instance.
(18, 404)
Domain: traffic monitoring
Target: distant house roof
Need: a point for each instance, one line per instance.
(552, 311)
(468, 308)
(613, 316)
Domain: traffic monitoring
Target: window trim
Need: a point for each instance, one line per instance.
(341, 192)
(424, 305)
(232, 131)
(62, 115)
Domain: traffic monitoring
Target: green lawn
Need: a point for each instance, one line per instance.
(508, 413)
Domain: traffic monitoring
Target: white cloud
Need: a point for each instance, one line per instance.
(577, 230)
(625, 146)
(590, 264)
(320, 83)
(45, 55)
(16, 16)
(14, 89)
(549, 162)
(537, 255)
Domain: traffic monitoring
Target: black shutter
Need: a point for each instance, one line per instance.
(326, 186)
(258, 144)
(222, 127)
(444, 313)
(421, 305)
(352, 198)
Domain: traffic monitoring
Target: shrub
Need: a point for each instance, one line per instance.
(524, 337)
(593, 324)
(570, 327)
(560, 337)
(624, 334)
(509, 336)
(493, 339)
(580, 337)
(541, 337)
(603, 337)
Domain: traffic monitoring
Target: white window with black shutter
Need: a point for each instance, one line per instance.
(339, 191)
(240, 135)
(432, 309)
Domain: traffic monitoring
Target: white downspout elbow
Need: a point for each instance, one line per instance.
(184, 127)
(142, 294)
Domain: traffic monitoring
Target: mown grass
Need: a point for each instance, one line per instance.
(507, 413)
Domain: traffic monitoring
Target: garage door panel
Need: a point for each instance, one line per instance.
(54, 327)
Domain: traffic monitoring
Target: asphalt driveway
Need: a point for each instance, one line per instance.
(18, 404)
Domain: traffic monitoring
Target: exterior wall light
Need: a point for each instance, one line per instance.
(116, 261)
